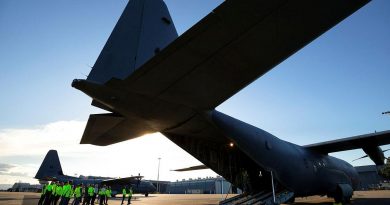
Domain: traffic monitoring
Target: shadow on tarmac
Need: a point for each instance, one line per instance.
(30, 200)
(376, 201)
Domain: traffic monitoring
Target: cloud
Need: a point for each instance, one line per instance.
(25, 149)
(5, 167)
(12, 170)
(15, 174)
(35, 140)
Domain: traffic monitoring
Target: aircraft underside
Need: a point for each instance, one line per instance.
(229, 162)
(155, 81)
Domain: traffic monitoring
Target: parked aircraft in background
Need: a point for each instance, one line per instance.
(51, 170)
(151, 80)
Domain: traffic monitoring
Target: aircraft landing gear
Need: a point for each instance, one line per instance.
(146, 194)
(342, 201)
(291, 201)
(343, 194)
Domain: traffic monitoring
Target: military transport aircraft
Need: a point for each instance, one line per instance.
(51, 170)
(151, 80)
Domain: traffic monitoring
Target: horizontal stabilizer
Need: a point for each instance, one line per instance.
(356, 142)
(193, 168)
(106, 129)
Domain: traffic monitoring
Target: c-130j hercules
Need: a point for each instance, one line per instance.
(151, 80)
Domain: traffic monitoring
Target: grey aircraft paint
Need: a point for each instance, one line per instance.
(175, 92)
(136, 28)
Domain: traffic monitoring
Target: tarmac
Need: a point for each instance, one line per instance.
(359, 198)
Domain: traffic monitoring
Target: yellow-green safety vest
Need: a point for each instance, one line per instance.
(59, 191)
(91, 190)
(54, 188)
(66, 190)
(108, 192)
(49, 187)
(130, 192)
(77, 192)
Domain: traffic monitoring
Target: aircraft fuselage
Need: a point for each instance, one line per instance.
(297, 168)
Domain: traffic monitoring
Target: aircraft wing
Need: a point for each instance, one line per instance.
(356, 142)
(232, 46)
(123, 181)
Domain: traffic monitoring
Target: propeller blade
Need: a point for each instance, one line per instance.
(360, 158)
(367, 155)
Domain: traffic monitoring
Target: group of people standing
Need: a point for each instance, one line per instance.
(82, 194)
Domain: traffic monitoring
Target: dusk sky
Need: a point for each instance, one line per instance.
(337, 86)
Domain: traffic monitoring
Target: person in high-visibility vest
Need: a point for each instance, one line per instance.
(108, 194)
(41, 200)
(49, 189)
(102, 194)
(86, 196)
(130, 195)
(124, 192)
(77, 194)
(66, 191)
(95, 193)
(82, 192)
(53, 193)
(72, 194)
(72, 187)
(90, 194)
(58, 193)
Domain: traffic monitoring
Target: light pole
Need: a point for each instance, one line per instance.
(158, 176)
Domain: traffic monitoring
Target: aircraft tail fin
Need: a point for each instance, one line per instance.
(144, 28)
(50, 167)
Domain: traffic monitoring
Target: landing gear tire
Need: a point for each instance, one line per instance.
(343, 194)
(342, 200)
(146, 194)
(291, 201)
